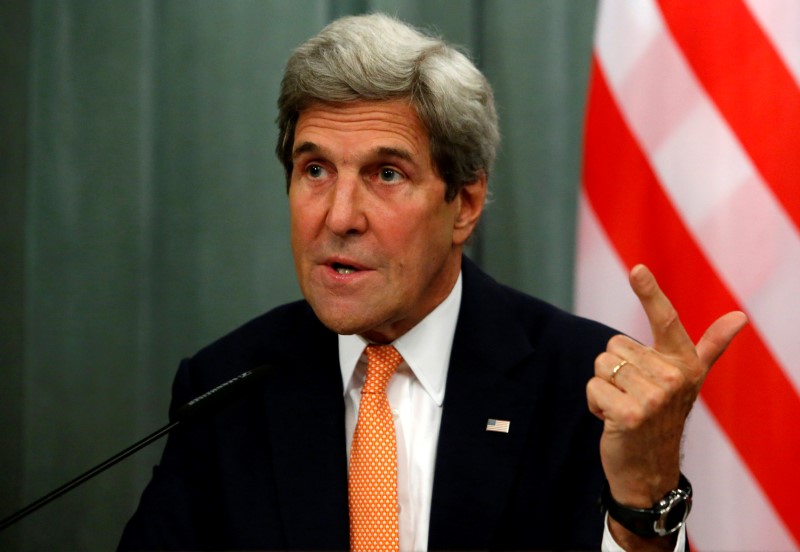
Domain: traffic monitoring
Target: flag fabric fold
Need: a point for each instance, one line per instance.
(692, 166)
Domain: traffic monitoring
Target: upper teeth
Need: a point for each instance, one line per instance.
(345, 270)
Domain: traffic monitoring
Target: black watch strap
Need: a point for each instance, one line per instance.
(664, 518)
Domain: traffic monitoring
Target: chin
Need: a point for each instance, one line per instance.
(333, 319)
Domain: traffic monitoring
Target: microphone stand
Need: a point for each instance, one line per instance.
(65, 488)
(205, 404)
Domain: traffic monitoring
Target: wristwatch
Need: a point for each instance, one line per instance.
(664, 518)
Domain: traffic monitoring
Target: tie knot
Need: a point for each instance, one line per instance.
(382, 361)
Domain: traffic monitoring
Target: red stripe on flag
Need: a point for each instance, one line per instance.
(741, 70)
(744, 391)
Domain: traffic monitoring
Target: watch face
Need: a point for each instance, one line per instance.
(664, 518)
(674, 514)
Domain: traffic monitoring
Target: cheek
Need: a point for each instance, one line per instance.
(294, 222)
(422, 241)
(438, 225)
(301, 215)
(300, 230)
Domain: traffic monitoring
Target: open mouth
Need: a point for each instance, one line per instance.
(343, 268)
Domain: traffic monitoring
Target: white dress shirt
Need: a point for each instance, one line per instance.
(416, 394)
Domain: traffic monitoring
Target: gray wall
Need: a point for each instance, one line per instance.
(143, 212)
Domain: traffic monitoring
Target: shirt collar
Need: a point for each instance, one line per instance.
(425, 348)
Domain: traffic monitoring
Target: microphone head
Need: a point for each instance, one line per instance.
(222, 395)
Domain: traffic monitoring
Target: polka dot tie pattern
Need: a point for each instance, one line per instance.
(374, 509)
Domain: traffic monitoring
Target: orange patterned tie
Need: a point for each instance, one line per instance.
(374, 511)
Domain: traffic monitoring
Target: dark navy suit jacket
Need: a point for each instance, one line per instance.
(269, 472)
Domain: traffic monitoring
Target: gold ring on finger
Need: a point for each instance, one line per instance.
(615, 371)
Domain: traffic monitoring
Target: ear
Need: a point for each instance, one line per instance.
(469, 206)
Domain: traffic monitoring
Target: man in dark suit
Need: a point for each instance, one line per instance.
(388, 137)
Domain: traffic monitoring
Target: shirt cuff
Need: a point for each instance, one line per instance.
(610, 545)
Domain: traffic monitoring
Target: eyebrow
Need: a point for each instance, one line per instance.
(395, 152)
(305, 147)
(385, 151)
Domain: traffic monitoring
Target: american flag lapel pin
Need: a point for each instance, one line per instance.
(499, 426)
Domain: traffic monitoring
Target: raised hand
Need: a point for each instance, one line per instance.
(644, 394)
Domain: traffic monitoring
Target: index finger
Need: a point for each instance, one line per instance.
(669, 335)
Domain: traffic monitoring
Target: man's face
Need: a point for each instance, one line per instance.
(376, 246)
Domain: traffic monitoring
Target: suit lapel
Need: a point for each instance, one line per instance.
(475, 468)
(305, 412)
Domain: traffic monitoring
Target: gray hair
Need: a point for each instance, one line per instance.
(377, 57)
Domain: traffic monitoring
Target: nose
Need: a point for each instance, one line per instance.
(346, 216)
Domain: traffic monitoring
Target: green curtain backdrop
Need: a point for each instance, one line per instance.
(144, 213)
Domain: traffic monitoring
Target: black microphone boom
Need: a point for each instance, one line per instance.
(195, 409)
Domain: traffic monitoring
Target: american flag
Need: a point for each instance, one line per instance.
(692, 166)
(500, 426)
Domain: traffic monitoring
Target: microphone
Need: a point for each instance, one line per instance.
(206, 404)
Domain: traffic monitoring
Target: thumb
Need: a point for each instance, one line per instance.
(719, 335)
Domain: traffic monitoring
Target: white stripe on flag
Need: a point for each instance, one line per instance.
(781, 20)
(601, 280)
(721, 203)
(734, 216)
(723, 489)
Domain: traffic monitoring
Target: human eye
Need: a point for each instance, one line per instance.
(390, 175)
(315, 171)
